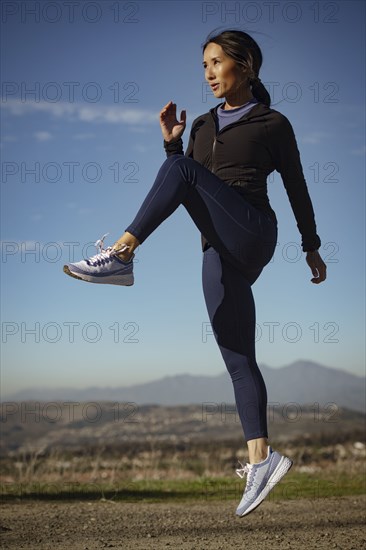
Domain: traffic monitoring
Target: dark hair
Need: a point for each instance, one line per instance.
(241, 47)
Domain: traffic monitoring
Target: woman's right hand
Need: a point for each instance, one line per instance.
(317, 266)
(171, 128)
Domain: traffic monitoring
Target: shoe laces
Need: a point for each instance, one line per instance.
(246, 470)
(105, 255)
(100, 242)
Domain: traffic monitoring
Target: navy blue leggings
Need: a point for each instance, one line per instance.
(242, 241)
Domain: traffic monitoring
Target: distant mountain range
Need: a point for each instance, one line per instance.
(302, 382)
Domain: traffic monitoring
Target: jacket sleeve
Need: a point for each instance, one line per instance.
(173, 147)
(287, 162)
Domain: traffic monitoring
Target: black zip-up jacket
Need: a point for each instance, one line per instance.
(245, 152)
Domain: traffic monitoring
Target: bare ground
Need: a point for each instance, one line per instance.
(290, 524)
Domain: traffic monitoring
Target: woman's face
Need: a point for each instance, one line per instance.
(222, 73)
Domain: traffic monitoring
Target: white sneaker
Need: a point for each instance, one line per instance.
(261, 479)
(103, 268)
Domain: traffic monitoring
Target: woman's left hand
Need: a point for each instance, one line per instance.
(317, 266)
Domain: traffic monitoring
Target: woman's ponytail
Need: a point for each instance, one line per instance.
(259, 91)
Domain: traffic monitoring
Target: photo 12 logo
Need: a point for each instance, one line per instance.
(52, 332)
(293, 92)
(69, 171)
(67, 411)
(68, 92)
(270, 12)
(72, 12)
(291, 332)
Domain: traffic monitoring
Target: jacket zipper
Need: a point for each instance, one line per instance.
(236, 123)
(213, 151)
(215, 139)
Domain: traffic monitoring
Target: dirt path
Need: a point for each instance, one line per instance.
(292, 524)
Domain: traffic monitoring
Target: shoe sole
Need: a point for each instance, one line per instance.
(68, 272)
(92, 280)
(282, 468)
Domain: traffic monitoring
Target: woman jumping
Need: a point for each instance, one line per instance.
(221, 180)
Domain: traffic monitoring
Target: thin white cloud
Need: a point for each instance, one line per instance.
(140, 148)
(361, 151)
(109, 114)
(84, 136)
(315, 137)
(9, 138)
(85, 211)
(138, 129)
(43, 136)
(19, 108)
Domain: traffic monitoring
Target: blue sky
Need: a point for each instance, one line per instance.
(81, 146)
